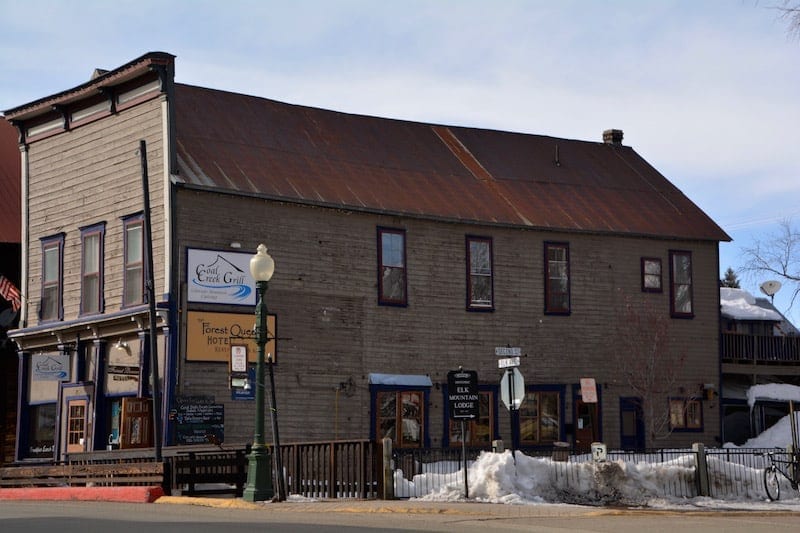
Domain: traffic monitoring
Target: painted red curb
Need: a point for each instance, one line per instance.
(96, 494)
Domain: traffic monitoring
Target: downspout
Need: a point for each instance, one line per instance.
(23, 279)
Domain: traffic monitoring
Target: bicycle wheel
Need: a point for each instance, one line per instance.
(772, 483)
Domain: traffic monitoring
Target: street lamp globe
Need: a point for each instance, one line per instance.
(262, 265)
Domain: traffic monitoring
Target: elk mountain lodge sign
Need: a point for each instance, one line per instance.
(462, 394)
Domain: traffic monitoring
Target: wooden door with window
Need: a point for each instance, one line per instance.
(136, 423)
(76, 425)
(586, 427)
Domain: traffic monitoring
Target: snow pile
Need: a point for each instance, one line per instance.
(497, 478)
(777, 436)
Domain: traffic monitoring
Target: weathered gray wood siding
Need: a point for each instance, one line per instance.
(89, 175)
(331, 329)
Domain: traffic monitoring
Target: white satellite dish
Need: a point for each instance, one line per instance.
(770, 287)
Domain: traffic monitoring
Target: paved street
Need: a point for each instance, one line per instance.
(206, 515)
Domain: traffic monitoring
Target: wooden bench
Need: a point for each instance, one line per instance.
(104, 475)
(192, 469)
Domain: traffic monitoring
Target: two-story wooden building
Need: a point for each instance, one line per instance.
(403, 251)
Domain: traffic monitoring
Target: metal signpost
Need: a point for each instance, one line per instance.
(463, 402)
(512, 386)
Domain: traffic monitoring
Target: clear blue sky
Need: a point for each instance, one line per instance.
(707, 91)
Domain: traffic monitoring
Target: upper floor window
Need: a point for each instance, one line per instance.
(392, 266)
(134, 261)
(556, 278)
(92, 269)
(51, 306)
(651, 274)
(479, 274)
(680, 279)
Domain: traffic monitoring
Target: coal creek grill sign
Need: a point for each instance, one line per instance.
(462, 394)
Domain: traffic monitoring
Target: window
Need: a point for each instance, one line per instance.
(540, 417)
(92, 269)
(400, 417)
(480, 431)
(556, 276)
(76, 424)
(680, 278)
(479, 275)
(41, 436)
(51, 306)
(685, 414)
(651, 274)
(134, 261)
(392, 267)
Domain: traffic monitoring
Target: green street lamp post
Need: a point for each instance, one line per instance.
(259, 471)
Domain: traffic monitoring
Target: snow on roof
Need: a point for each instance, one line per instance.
(738, 304)
(773, 391)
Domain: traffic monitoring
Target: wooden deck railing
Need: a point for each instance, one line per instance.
(759, 349)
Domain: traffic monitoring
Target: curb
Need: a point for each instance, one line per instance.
(93, 494)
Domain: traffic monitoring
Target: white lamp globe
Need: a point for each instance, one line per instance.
(262, 265)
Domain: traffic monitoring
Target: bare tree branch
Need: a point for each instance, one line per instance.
(778, 256)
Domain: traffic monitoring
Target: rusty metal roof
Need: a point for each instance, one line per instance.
(10, 176)
(258, 146)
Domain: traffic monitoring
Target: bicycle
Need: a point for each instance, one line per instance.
(788, 468)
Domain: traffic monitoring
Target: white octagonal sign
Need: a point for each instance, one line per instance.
(512, 387)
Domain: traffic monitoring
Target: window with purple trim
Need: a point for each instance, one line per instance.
(556, 276)
(134, 261)
(92, 269)
(51, 306)
(479, 275)
(680, 281)
(651, 274)
(392, 267)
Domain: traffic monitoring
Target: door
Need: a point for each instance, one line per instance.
(631, 424)
(586, 427)
(76, 425)
(136, 424)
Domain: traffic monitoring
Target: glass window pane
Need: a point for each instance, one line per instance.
(392, 284)
(480, 262)
(392, 249)
(91, 253)
(481, 290)
(133, 250)
(51, 265)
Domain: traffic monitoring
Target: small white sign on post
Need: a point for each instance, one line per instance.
(238, 358)
(588, 390)
(508, 351)
(508, 362)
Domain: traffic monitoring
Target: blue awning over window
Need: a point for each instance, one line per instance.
(406, 380)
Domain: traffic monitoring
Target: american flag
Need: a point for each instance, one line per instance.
(10, 292)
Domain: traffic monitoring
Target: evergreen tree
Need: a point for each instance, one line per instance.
(731, 280)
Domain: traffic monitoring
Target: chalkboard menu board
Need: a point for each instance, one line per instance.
(200, 423)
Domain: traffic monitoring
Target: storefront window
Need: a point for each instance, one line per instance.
(42, 430)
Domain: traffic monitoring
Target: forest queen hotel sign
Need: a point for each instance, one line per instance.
(219, 277)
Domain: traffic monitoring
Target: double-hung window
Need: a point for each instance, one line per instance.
(392, 267)
(540, 417)
(51, 306)
(134, 261)
(651, 274)
(685, 414)
(556, 278)
(92, 269)
(480, 284)
(680, 280)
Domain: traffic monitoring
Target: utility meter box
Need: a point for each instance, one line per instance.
(599, 451)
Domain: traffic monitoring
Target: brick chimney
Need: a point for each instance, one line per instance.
(612, 137)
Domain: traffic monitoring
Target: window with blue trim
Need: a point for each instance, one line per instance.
(540, 417)
(51, 306)
(92, 269)
(133, 292)
(400, 416)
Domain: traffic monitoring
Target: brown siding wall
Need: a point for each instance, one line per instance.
(97, 172)
(331, 329)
